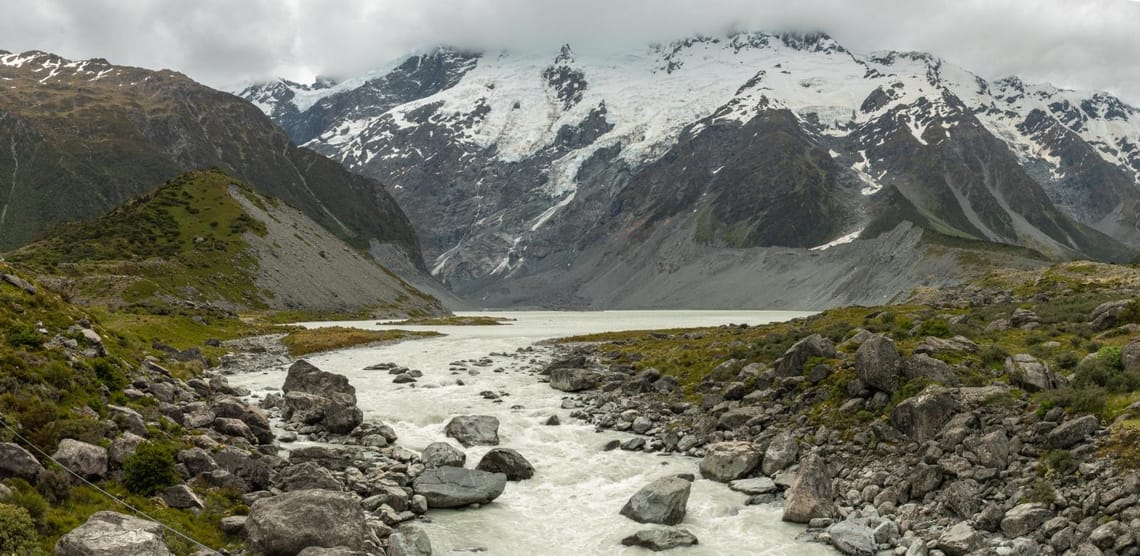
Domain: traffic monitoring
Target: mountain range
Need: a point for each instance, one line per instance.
(751, 169)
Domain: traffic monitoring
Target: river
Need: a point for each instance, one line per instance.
(571, 505)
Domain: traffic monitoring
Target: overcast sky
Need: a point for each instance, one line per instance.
(1091, 44)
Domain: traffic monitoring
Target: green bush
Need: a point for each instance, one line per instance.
(54, 485)
(150, 468)
(933, 327)
(17, 531)
(22, 335)
(109, 374)
(1057, 463)
(33, 504)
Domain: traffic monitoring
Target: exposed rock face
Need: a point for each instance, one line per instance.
(508, 462)
(284, 525)
(661, 539)
(926, 367)
(1024, 518)
(1030, 373)
(113, 534)
(781, 453)
(15, 461)
(877, 363)
(472, 430)
(728, 461)
(442, 454)
(1107, 315)
(793, 361)
(452, 487)
(661, 501)
(409, 540)
(83, 458)
(810, 495)
(573, 380)
(330, 399)
(922, 416)
(254, 417)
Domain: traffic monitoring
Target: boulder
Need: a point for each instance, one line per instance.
(15, 461)
(877, 363)
(307, 476)
(442, 454)
(781, 453)
(472, 430)
(286, 524)
(758, 485)
(337, 411)
(85, 459)
(931, 345)
(123, 446)
(1029, 373)
(794, 359)
(1130, 356)
(921, 417)
(573, 380)
(452, 487)
(409, 540)
(305, 377)
(931, 369)
(851, 537)
(181, 497)
(728, 461)
(508, 462)
(810, 495)
(233, 525)
(1072, 431)
(661, 501)
(992, 450)
(959, 540)
(253, 416)
(660, 539)
(335, 551)
(1107, 315)
(113, 534)
(197, 461)
(1024, 519)
(127, 419)
(235, 428)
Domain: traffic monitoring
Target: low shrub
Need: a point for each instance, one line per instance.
(17, 530)
(150, 468)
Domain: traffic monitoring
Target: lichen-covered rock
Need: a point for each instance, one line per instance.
(921, 417)
(113, 534)
(83, 458)
(794, 359)
(877, 363)
(728, 461)
(286, 524)
(452, 487)
(810, 495)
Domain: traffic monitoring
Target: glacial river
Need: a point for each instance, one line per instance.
(571, 505)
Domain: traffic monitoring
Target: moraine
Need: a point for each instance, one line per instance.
(571, 505)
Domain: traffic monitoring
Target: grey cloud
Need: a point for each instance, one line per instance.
(1082, 44)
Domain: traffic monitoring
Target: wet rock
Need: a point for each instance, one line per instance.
(451, 487)
(442, 454)
(661, 501)
(15, 461)
(877, 363)
(810, 495)
(728, 461)
(508, 462)
(921, 417)
(573, 380)
(290, 522)
(781, 453)
(472, 430)
(758, 485)
(113, 534)
(85, 459)
(336, 409)
(660, 539)
(1072, 432)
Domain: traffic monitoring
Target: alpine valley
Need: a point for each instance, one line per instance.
(747, 170)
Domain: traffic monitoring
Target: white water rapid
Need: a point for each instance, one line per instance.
(571, 505)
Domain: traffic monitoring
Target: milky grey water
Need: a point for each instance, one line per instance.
(571, 505)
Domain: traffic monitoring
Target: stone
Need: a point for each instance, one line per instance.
(1029, 373)
(728, 461)
(1072, 432)
(573, 380)
(992, 450)
(181, 497)
(758, 485)
(305, 377)
(85, 459)
(284, 525)
(339, 414)
(959, 540)
(472, 430)
(409, 540)
(932, 345)
(307, 476)
(660, 539)
(661, 501)
(877, 363)
(15, 461)
(1130, 356)
(113, 534)
(321, 551)
(127, 419)
(1105, 536)
(197, 461)
(850, 537)
(781, 453)
(921, 417)
(123, 446)
(794, 359)
(234, 524)
(931, 369)
(452, 487)
(253, 416)
(235, 428)
(1023, 519)
(442, 454)
(508, 462)
(810, 495)
(1107, 315)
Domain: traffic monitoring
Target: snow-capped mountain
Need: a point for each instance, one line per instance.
(530, 176)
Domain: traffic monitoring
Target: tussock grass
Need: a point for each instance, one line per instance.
(305, 342)
(454, 320)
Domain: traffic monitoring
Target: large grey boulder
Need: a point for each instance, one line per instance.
(661, 539)
(794, 359)
(728, 461)
(85, 459)
(931, 369)
(781, 453)
(252, 416)
(452, 487)
(573, 380)
(1107, 314)
(409, 540)
(959, 540)
(508, 462)
(123, 447)
(810, 495)
(1024, 519)
(286, 524)
(1072, 431)
(1130, 356)
(307, 476)
(661, 501)
(15, 461)
(851, 537)
(472, 430)
(921, 417)
(442, 454)
(182, 497)
(338, 412)
(1030, 373)
(305, 377)
(877, 363)
(113, 534)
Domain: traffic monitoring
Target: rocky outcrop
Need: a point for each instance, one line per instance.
(113, 534)
(1030, 373)
(82, 458)
(877, 363)
(474, 430)
(508, 462)
(794, 359)
(284, 525)
(728, 461)
(810, 495)
(316, 397)
(921, 417)
(661, 501)
(452, 487)
(1072, 432)
(1107, 314)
